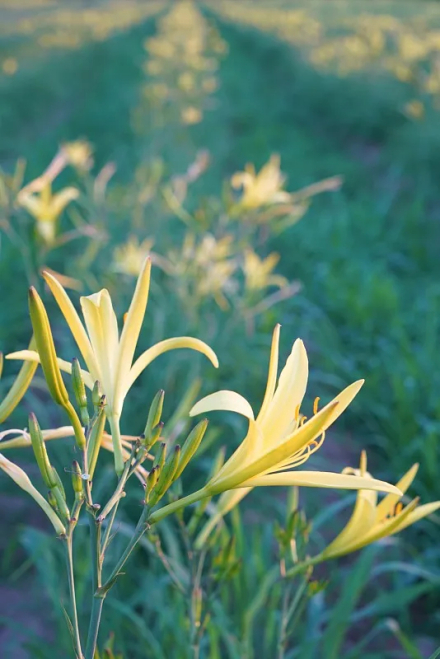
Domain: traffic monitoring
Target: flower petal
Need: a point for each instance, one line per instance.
(387, 505)
(73, 320)
(277, 420)
(227, 401)
(169, 344)
(273, 371)
(102, 328)
(361, 521)
(320, 479)
(418, 513)
(132, 328)
(343, 399)
(32, 356)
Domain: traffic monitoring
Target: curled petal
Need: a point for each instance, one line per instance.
(321, 479)
(227, 401)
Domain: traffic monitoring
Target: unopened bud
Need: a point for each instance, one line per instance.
(191, 445)
(1, 364)
(95, 442)
(77, 481)
(80, 391)
(154, 416)
(152, 479)
(40, 452)
(160, 458)
(46, 349)
(166, 475)
(96, 395)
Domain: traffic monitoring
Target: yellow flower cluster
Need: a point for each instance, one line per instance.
(183, 60)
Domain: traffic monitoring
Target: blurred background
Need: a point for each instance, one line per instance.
(280, 160)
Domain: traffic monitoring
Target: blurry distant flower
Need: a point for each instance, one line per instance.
(10, 66)
(263, 188)
(259, 272)
(372, 521)
(414, 109)
(191, 115)
(46, 207)
(78, 154)
(204, 269)
(65, 281)
(129, 257)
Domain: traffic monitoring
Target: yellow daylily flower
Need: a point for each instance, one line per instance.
(129, 258)
(78, 153)
(22, 479)
(263, 188)
(372, 521)
(279, 439)
(108, 355)
(259, 272)
(46, 207)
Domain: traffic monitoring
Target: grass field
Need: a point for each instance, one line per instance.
(341, 88)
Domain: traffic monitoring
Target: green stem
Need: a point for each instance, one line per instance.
(107, 532)
(301, 567)
(178, 505)
(74, 611)
(95, 621)
(98, 600)
(117, 444)
(140, 529)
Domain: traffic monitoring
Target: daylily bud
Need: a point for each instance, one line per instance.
(191, 445)
(40, 452)
(46, 349)
(53, 502)
(1, 364)
(152, 479)
(154, 416)
(95, 441)
(155, 435)
(77, 481)
(80, 391)
(166, 476)
(96, 395)
(160, 458)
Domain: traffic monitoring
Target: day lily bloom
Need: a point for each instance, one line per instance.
(372, 521)
(108, 355)
(279, 439)
(46, 207)
(22, 479)
(259, 272)
(263, 188)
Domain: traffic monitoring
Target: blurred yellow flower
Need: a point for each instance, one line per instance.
(78, 154)
(263, 188)
(279, 439)
(259, 272)
(191, 115)
(10, 66)
(372, 521)
(46, 207)
(130, 257)
(415, 109)
(108, 355)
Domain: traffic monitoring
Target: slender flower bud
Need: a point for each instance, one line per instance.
(1, 364)
(77, 481)
(166, 476)
(95, 440)
(46, 349)
(191, 445)
(155, 435)
(40, 452)
(80, 391)
(152, 479)
(96, 396)
(154, 416)
(160, 458)
(53, 502)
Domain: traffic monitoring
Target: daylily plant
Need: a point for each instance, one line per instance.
(263, 188)
(46, 207)
(108, 355)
